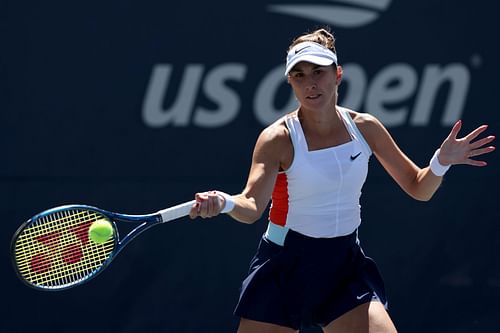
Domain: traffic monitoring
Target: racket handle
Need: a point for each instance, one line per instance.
(176, 212)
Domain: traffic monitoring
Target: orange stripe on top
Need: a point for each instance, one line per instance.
(279, 209)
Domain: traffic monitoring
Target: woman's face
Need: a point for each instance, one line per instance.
(315, 86)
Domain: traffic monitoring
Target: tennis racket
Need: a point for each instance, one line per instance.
(52, 250)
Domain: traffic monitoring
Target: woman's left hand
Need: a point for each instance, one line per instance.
(460, 150)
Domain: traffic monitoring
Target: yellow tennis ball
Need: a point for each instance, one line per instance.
(100, 231)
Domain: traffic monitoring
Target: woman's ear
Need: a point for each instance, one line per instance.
(340, 74)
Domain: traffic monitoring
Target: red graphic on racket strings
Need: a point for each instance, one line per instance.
(50, 239)
(70, 253)
(82, 232)
(40, 263)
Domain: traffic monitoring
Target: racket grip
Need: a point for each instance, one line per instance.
(176, 212)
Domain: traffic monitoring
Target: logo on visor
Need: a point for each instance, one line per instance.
(341, 13)
(301, 49)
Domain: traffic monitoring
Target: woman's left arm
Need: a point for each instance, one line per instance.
(422, 183)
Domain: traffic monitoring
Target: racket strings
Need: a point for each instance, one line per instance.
(54, 251)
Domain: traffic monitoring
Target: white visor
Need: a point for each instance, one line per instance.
(309, 52)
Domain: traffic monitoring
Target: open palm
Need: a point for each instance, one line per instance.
(460, 150)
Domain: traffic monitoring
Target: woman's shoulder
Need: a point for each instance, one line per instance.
(274, 143)
(363, 120)
(278, 129)
(276, 133)
(371, 128)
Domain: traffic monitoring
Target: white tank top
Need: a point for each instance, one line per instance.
(318, 195)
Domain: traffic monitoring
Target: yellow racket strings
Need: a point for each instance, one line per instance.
(55, 250)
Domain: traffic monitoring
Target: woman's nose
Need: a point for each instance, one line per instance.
(310, 82)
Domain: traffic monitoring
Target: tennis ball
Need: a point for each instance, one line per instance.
(100, 231)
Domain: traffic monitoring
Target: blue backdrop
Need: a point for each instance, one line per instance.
(133, 106)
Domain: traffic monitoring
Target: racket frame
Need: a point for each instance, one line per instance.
(146, 221)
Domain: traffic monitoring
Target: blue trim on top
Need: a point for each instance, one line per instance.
(276, 233)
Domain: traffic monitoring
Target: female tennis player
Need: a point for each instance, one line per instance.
(309, 269)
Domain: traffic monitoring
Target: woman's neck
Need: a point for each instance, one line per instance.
(319, 121)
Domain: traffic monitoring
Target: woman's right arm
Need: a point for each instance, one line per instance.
(271, 150)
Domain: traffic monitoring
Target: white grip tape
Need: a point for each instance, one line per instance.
(176, 212)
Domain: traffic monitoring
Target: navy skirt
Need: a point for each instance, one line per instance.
(308, 282)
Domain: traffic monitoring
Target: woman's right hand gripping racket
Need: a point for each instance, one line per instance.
(53, 251)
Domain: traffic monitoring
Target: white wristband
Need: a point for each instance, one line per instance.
(437, 168)
(229, 202)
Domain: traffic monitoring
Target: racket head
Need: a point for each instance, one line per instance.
(52, 250)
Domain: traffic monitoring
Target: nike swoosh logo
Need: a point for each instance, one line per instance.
(300, 50)
(360, 297)
(353, 157)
